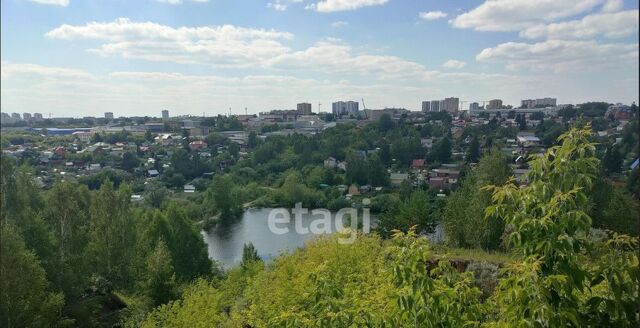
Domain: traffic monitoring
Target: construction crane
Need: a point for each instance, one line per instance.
(363, 106)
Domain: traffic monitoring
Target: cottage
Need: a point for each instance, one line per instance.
(330, 162)
(437, 182)
(397, 178)
(417, 164)
(197, 144)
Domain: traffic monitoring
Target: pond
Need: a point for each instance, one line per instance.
(226, 240)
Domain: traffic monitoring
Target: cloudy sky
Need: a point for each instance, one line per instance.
(137, 57)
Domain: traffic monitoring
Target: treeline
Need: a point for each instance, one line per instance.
(71, 256)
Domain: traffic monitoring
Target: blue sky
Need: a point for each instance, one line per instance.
(137, 57)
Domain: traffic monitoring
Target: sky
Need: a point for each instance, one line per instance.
(137, 57)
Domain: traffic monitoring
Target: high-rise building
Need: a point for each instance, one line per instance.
(474, 106)
(26, 116)
(435, 105)
(165, 114)
(339, 108)
(304, 109)
(494, 104)
(108, 115)
(426, 106)
(540, 102)
(16, 116)
(37, 116)
(450, 105)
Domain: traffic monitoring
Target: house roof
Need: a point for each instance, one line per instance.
(417, 163)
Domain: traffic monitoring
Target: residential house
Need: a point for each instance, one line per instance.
(417, 164)
(330, 162)
(397, 178)
(197, 144)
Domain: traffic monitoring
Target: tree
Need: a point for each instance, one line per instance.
(249, 254)
(130, 161)
(112, 233)
(252, 140)
(463, 219)
(420, 210)
(613, 159)
(442, 150)
(25, 299)
(188, 250)
(551, 284)
(221, 198)
(148, 136)
(67, 215)
(385, 123)
(160, 283)
(473, 153)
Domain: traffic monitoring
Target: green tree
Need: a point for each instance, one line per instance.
(67, 215)
(25, 299)
(463, 219)
(552, 285)
(442, 150)
(112, 233)
(473, 153)
(222, 198)
(160, 283)
(249, 254)
(420, 210)
(612, 160)
(130, 161)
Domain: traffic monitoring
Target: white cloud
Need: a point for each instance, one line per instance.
(144, 93)
(339, 24)
(432, 15)
(278, 6)
(62, 3)
(222, 46)
(452, 63)
(610, 25)
(10, 69)
(612, 6)
(343, 5)
(338, 58)
(281, 5)
(234, 47)
(561, 56)
(515, 15)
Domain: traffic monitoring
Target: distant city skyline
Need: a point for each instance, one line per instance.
(75, 58)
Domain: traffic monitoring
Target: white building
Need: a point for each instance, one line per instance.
(426, 106)
(339, 108)
(165, 114)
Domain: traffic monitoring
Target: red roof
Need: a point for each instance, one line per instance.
(417, 163)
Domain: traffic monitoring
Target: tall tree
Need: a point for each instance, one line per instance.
(112, 233)
(160, 284)
(473, 153)
(25, 299)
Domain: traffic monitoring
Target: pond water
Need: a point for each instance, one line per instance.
(225, 241)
